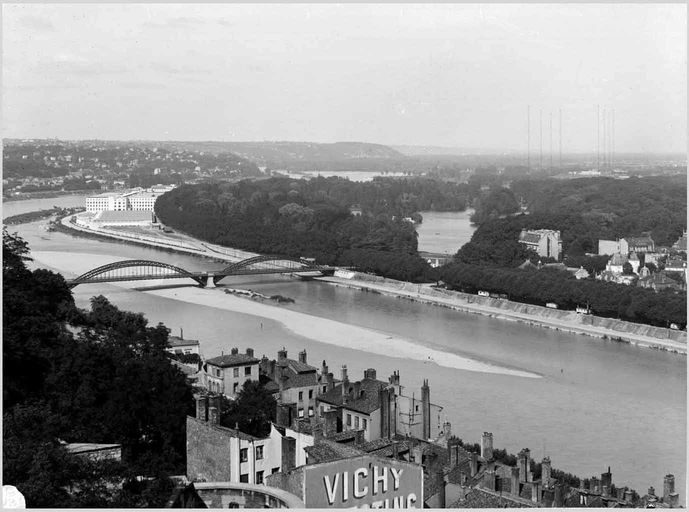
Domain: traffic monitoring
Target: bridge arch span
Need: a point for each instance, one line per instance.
(292, 265)
(112, 272)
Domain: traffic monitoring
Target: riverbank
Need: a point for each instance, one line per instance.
(568, 321)
(588, 325)
(316, 328)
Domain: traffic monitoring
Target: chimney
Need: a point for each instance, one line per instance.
(330, 380)
(282, 354)
(330, 421)
(606, 479)
(546, 470)
(453, 453)
(473, 464)
(426, 410)
(395, 450)
(668, 486)
(487, 446)
(523, 464)
(441, 489)
(324, 368)
(514, 481)
(535, 492)
(417, 453)
(651, 491)
(357, 389)
(370, 374)
(302, 357)
(213, 410)
(250, 352)
(395, 378)
(234, 351)
(181, 333)
(489, 480)
(345, 380)
(201, 407)
(447, 429)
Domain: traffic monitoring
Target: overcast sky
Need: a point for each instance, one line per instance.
(456, 75)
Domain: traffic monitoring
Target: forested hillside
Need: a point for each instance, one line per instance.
(611, 208)
(313, 218)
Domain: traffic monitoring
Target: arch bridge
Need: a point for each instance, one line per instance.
(144, 270)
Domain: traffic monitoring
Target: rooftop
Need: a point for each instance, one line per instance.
(367, 401)
(176, 341)
(326, 451)
(124, 215)
(228, 360)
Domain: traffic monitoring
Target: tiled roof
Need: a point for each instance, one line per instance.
(325, 451)
(675, 263)
(232, 360)
(639, 240)
(482, 498)
(346, 435)
(367, 401)
(297, 366)
(176, 341)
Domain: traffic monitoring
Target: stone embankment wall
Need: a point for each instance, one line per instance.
(546, 314)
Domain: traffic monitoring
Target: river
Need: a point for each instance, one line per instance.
(597, 403)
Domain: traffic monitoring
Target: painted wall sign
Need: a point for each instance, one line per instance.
(363, 482)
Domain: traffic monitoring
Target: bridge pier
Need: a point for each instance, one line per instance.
(210, 280)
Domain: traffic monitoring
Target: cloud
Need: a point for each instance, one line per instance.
(37, 23)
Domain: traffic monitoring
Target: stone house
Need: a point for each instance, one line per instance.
(545, 242)
(227, 373)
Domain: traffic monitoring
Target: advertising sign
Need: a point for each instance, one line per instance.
(363, 482)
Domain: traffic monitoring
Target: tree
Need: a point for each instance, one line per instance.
(627, 269)
(253, 410)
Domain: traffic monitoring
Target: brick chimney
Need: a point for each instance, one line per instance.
(345, 380)
(324, 368)
(201, 407)
(514, 481)
(473, 464)
(234, 351)
(302, 357)
(282, 354)
(426, 410)
(546, 470)
(250, 352)
(668, 486)
(370, 374)
(487, 446)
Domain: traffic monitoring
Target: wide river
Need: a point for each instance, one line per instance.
(597, 403)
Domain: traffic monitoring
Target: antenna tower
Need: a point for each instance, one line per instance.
(528, 136)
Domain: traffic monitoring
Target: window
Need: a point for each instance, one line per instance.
(259, 477)
(325, 388)
(301, 413)
(356, 422)
(274, 470)
(243, 454)
(234, 388)
(235, 372)
(310, 412)
(244, 478)
(217, 372)
(310, 393)
(301, 396)
(417, 408)
(259, 452)
(363, 421)
(349, 420)
(247, 370)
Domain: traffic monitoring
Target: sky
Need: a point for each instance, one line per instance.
(454, 75)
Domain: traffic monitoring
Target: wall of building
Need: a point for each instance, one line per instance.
(209, 453)
(303, 441)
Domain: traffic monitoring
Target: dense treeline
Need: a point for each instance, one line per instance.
(98, 376)
(547, 285)
(612, 208)
(313, 219)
